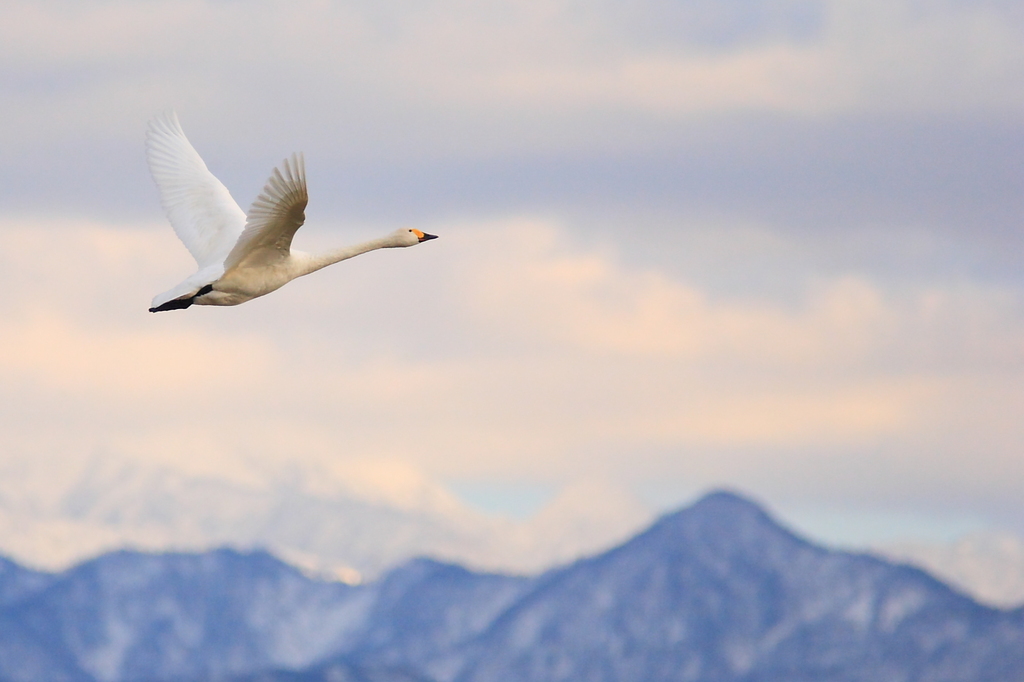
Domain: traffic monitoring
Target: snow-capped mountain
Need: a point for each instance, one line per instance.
(351, 521)
(717, 592)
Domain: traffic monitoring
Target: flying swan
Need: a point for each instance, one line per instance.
(240, 256)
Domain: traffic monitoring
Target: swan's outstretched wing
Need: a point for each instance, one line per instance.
(200, 208)
(274, 217)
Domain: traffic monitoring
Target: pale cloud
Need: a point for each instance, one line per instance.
(57, 334)
(53, 353)
(516, 358)
(777, 247)
(451, 75)
(808, 116)
(395, 483)
(595, 303)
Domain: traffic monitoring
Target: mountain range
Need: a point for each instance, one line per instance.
(717, 592)
(359, 519)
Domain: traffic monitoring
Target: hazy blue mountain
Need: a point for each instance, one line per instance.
(720, 592)
(335, 671)
(717, 592)
(133, 616)
(17, 582)
(426, 606)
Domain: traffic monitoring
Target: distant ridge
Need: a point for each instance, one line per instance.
(716, 592)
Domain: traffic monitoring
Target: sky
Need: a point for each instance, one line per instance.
(775, 247)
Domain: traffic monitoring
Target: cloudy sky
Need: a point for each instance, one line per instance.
(771, 246)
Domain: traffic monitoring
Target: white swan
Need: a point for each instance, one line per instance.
(240, 256)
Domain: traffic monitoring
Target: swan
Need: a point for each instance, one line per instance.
(240, 256)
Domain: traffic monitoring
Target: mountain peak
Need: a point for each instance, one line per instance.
(721, 509)
(721, 524)
(726, 501)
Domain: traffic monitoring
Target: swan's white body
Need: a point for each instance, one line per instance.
(240, 256)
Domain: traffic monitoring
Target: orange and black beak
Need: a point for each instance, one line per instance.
(426, 237)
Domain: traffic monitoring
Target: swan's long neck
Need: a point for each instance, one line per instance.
(314, 262)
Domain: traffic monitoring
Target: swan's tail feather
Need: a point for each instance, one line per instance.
(182, 303)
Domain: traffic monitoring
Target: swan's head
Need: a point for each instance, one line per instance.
(406, 236)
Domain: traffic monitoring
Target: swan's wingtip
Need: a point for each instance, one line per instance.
(166, 119)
